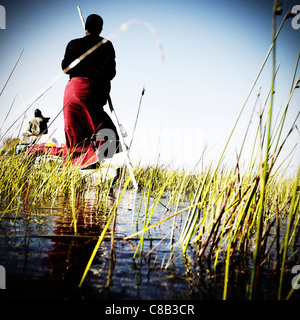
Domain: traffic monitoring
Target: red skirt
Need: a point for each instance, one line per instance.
(84, 117)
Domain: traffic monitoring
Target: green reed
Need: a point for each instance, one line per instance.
(242, 214)
(33, 180)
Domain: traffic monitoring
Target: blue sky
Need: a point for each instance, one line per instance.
(213, 51)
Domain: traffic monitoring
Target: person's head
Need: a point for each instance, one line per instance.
(37, 113)
(93, 24)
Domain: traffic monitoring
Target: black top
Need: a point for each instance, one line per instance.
(100, 65)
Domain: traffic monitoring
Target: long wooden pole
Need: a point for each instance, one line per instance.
(123, 144)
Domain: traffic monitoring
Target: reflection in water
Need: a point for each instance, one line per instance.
(41, 245)
(45, 258)
(68, 256)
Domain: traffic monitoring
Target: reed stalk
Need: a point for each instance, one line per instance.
(150, 185)
(73, 197)
(12, 71)
(292, 212)
(264, 173)
(227, 268)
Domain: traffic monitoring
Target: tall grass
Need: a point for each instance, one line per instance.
(220, 209)
(237, 214)
(31, 179)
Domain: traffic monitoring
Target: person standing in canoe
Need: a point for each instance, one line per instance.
(86, 94)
